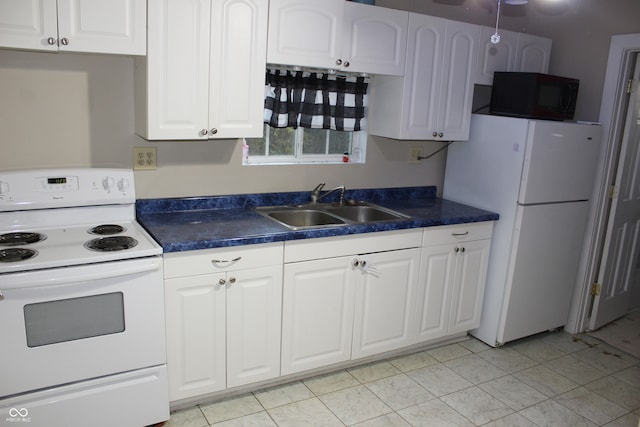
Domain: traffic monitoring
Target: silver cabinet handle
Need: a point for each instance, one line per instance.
(338, 61)
(51, 41)
(64, 41)
(434, 134)
(346, 64)
(224, 262)
(456, 249)
(222, 282)
(1, 296)
(462, 249)
(232, 280)
(213, 131)
(466, 233)
(440, 135)
(355, 263)
(203, 132)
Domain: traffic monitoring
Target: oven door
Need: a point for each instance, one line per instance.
(69, 324)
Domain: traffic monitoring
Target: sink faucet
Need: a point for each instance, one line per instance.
(316, 196)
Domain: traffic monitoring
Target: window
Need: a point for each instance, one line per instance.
(311, 117)
(302, 145)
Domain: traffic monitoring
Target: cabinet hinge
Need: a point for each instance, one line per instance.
(629, 85)
(613, 192)
(595, 289)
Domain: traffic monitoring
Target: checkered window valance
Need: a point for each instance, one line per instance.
(315, 100)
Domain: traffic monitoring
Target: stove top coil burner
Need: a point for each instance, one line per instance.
(20, 238)
(107, 229)
(16, 254)
(110, 244)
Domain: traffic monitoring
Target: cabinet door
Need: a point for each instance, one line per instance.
(305, 32)
(533, 54)
(468, 291)
(114, 26)
(423, 76)
(458, 76)
(495, 57)
(28, 24)
(254, 302)
(437, 271)
(317, 314)
(385, 301)
(375, 39)
(195, 324)
(176, 73)
(237, 67)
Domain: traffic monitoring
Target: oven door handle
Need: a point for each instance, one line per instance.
(36, 279)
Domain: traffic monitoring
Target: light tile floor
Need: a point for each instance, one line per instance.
(552, 379)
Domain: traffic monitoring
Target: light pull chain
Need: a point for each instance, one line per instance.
(495, 38)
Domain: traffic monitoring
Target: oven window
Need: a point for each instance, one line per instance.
(73, 319)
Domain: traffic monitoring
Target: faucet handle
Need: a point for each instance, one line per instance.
(319, 187)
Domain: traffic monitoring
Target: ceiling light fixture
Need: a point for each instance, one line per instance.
(495, 37)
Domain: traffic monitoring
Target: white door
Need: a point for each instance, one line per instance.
(114, 26)
(545, 254)
(437, 271)
(254, 303)
(458, 76)
(559, 162)
(305, 32)
(29, 24)
(237, 67)
(620, 261)
(177, 92)
(375, 39)
(385, 301)
(195, 323)
(317, 314)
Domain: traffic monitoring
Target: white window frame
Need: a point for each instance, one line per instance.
(357, 155)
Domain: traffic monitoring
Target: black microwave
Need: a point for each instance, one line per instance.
(533, 96)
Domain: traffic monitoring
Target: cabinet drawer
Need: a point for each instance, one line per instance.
(457, 233)
(332, 247)
(205, 261)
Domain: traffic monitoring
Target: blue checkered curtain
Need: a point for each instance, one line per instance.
(315, 100)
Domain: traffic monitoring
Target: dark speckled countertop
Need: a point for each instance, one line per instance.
(181, 224)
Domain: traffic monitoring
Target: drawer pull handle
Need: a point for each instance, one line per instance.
(224, 262)
(466, 233)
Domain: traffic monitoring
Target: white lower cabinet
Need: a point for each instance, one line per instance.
(352, 297)
(223, 314)
(257, 312)
(453, 270)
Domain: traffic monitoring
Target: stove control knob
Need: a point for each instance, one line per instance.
(123, 184)
(108, 183)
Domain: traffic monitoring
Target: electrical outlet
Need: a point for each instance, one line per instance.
(414, 154)
(144, 158)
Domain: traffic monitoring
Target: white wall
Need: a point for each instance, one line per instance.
(62, 110)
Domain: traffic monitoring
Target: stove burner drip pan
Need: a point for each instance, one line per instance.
(107, 229)
(20, 238)
(110, 244)
(16, 254)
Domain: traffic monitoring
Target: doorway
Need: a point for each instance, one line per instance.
(611, 255)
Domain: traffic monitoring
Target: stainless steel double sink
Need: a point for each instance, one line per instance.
(314, 215)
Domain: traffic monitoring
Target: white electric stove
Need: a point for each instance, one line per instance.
(81, 301)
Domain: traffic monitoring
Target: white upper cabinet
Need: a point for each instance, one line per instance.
(515, 52)
(433, 99)
(532, 54)
(97, 26)
(203, 77)
(334, 34)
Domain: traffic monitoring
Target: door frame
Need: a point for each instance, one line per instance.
(612, 115)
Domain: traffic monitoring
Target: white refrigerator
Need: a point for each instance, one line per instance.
(538, 176)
